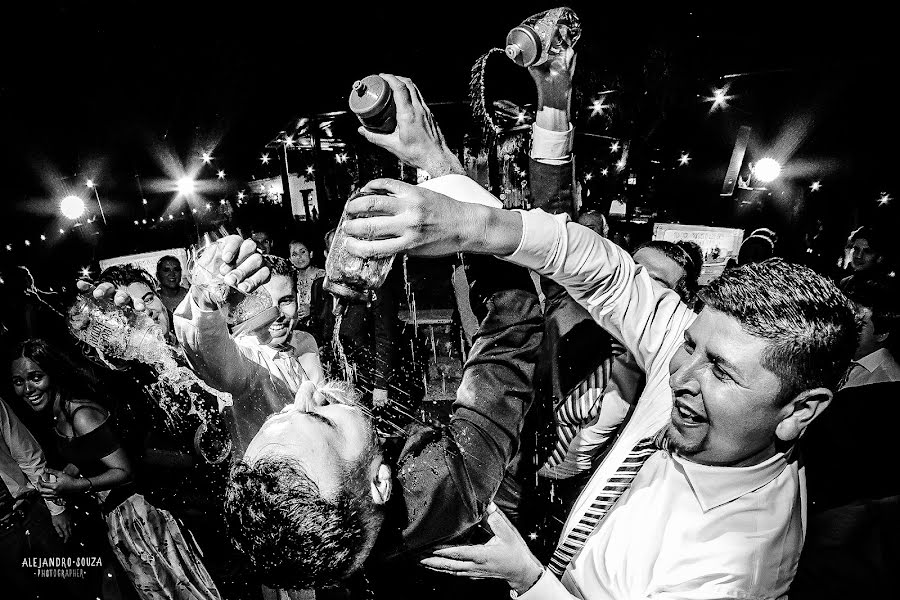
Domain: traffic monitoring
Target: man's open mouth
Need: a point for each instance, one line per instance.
(688, 414)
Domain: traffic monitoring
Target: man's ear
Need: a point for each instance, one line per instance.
(382, 484)
(800, 412)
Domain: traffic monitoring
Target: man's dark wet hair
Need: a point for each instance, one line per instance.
(809, 323)
(295, 537)
(126, 274)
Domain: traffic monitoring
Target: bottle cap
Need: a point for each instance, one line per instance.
(523, 46)
(370, 96)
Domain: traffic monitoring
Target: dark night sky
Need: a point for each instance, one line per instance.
(98, 88)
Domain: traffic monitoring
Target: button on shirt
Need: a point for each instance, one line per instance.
(684, 530)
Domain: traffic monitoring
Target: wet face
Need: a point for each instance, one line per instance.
(299, 255)
(281, 289)
(31, 383)
(263, 241)
(863, 256)
(660, 267)
(726, 404)
(326, 437)
(155, 307)
(168, 272)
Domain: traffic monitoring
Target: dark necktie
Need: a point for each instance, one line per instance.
(603, 503)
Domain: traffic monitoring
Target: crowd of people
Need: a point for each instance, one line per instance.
(620, 431)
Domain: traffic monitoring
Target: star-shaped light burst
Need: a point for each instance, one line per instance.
(684, 159)
(816, 186)
(520, 118)
(885, 198)
(206, 157)
(533, 536)
(222, 201)
(614, 147)
(588, 176)
(310, 170)
(265, 159)
(341, 158)
(9, 247)
(288, 140)
(85, 272)
(90, 183)
(221, 174)
(597, 107)
(241, 195)
(208, 206)
(604, 171)
(719, 98)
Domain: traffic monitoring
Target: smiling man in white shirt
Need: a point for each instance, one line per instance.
(722, 514)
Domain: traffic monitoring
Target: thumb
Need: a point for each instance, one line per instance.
(500, 525)
(374, 137)
(52, 471)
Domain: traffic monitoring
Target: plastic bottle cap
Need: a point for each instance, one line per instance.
(369, 96)
(513, 51)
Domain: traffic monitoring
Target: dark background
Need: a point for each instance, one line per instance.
(129, 93)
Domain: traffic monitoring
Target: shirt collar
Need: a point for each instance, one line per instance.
(879, 358)
(714, 486)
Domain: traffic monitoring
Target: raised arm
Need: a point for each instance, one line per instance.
(200, 324)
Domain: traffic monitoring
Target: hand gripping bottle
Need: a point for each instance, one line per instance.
(351, 277)
(542, 36)
(372, 101)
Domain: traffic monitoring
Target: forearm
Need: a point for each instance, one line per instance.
(109, 479)
(209, 348)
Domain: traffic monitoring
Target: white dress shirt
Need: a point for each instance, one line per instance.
(22, 461)
(875, 367)
(685, 530)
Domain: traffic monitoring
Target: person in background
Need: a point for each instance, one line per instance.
(262, 361)
(147, 541)
(133, 282)
(30, 526)
(595, 221)
(866, 247)
(168, 274)
(263, 239)
(600, 413)
(301, 257)
(853, 537)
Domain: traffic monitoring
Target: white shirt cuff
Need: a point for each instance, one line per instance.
(551, 147)
(461, 188)
(547, 587)
(541, 235)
